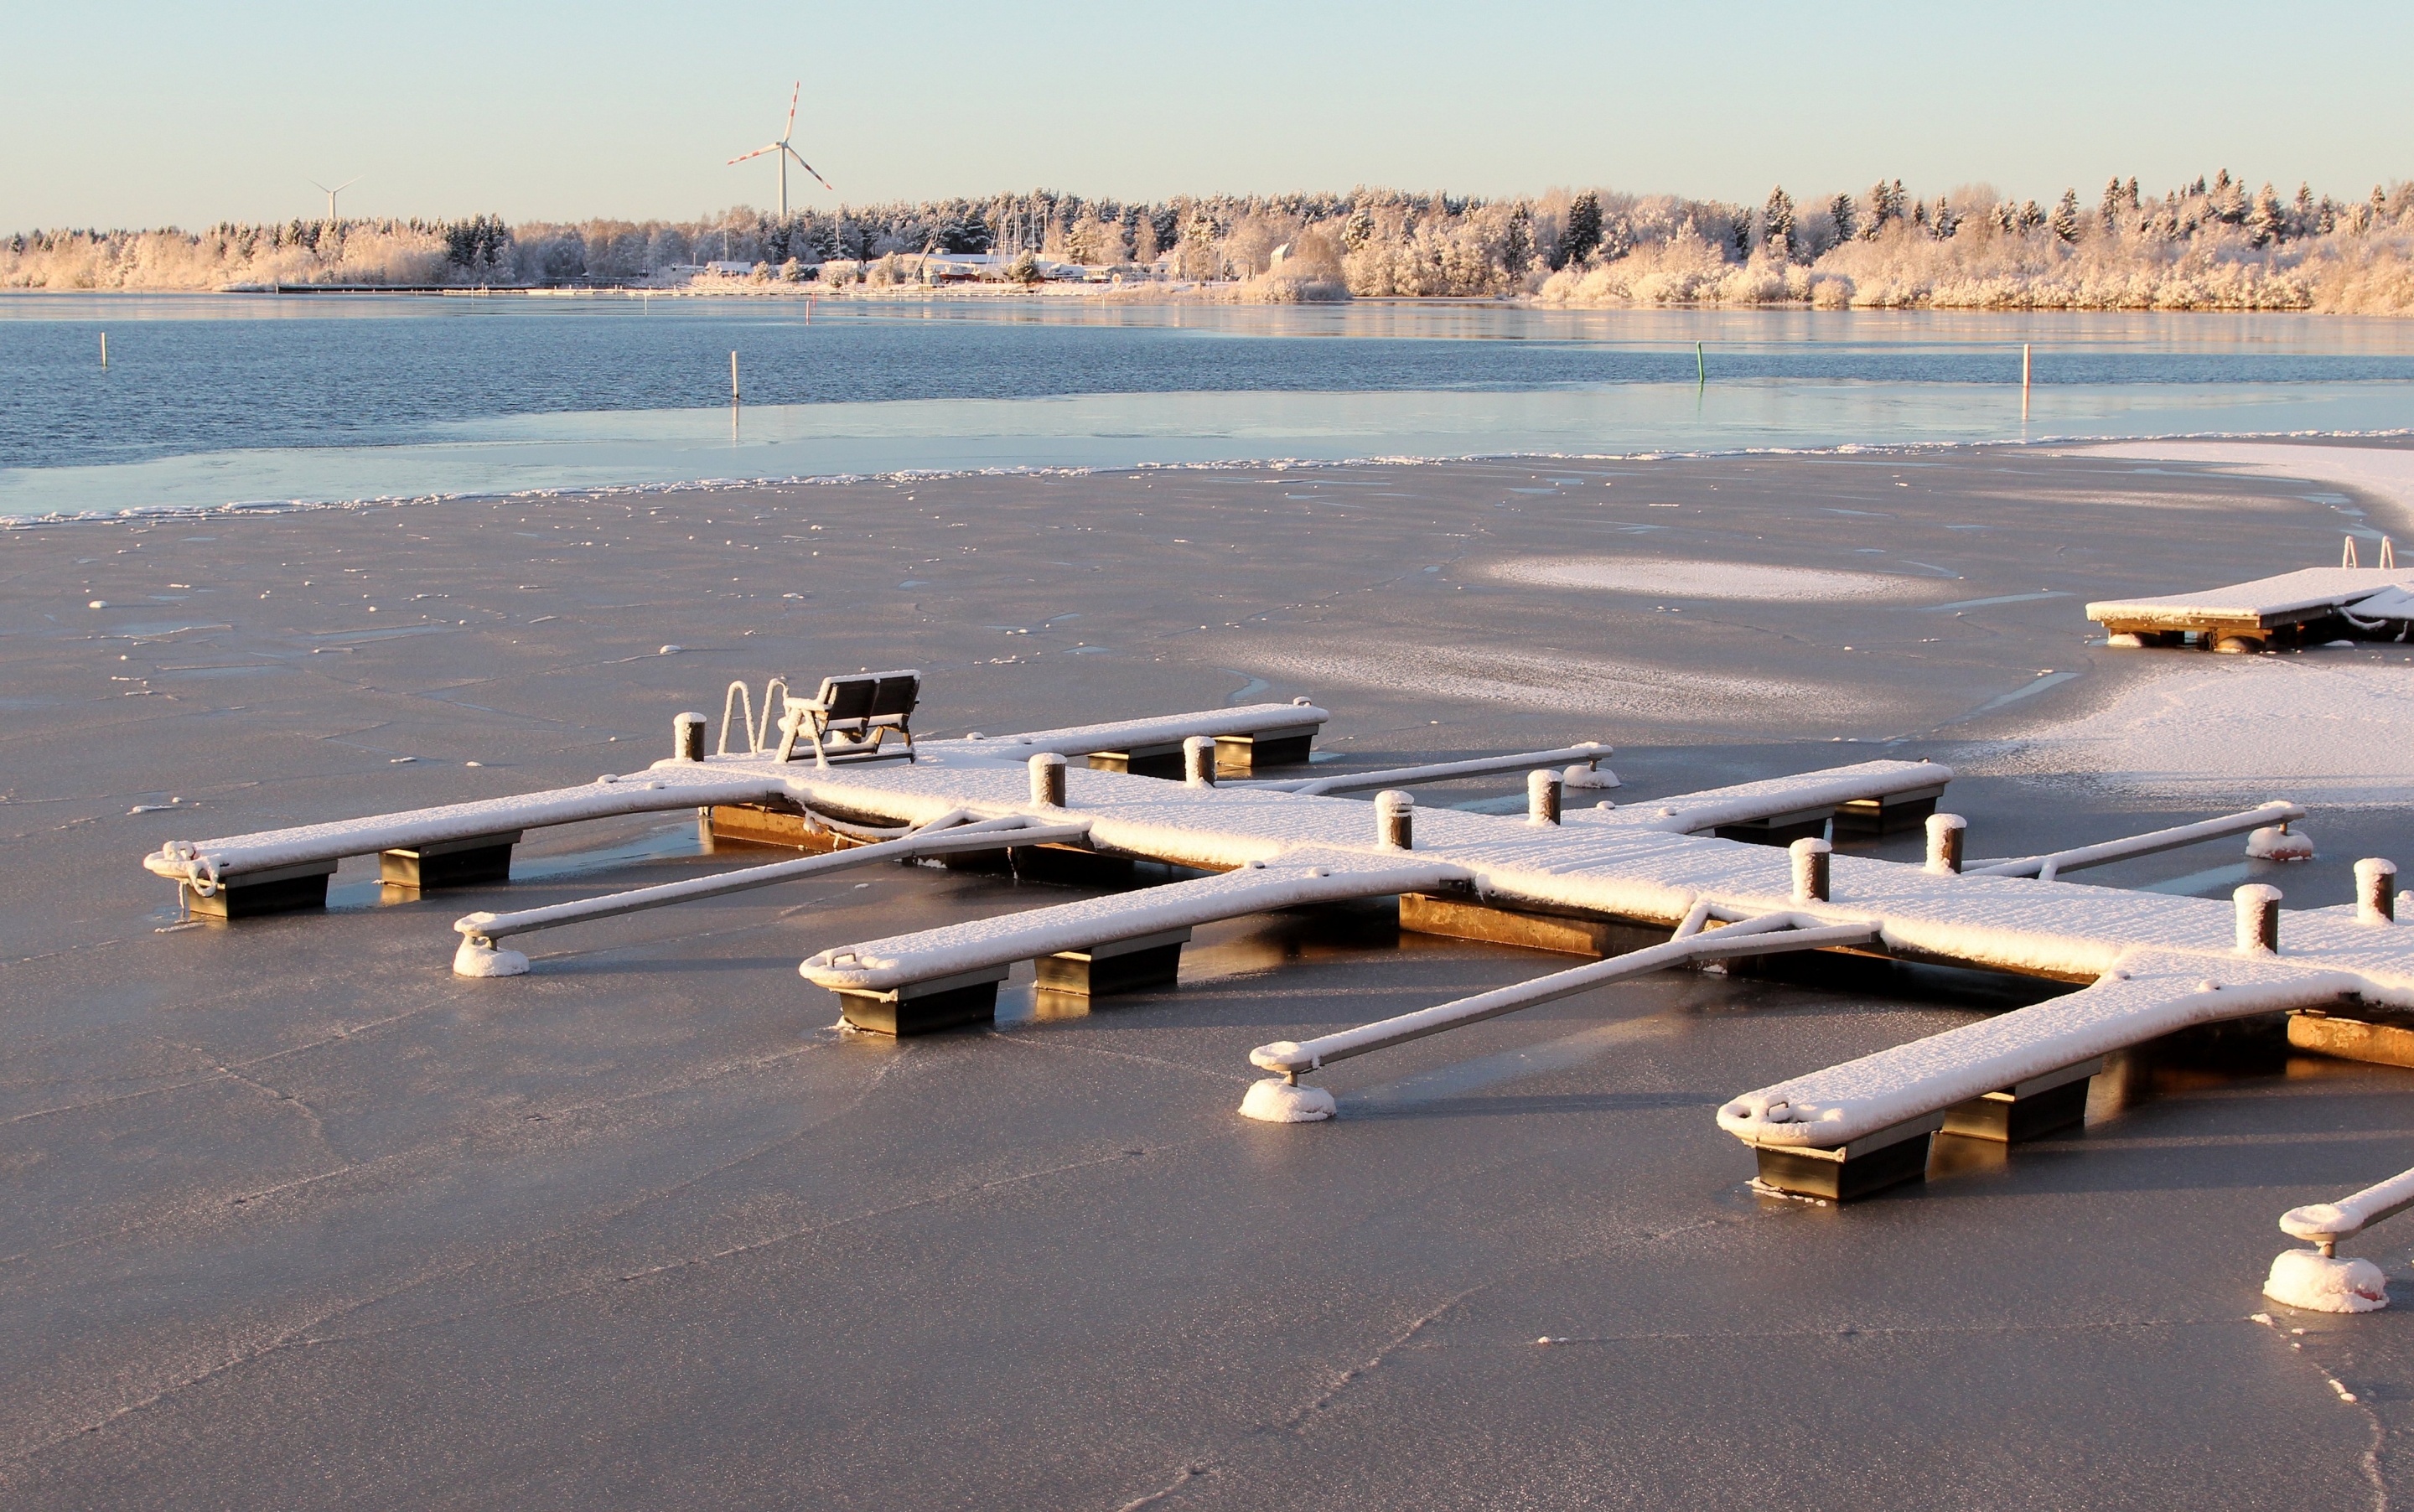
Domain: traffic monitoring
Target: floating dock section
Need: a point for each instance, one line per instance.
(2301, 608)
(1604, 881)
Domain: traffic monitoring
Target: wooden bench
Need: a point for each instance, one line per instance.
(851, 716)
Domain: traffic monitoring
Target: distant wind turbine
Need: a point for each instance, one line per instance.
(332, 193)
(780, 150)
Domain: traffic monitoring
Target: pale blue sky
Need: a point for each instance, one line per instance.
(146, 114)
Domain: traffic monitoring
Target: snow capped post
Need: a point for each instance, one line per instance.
(1810, 869)
(1946, 833)
(1543, 797)
(1199, 762)
(1394, 819)
(2259, 919)
(1048, 780)
(2375, 896)
(687, 737)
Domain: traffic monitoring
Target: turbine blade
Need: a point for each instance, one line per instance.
(349, 182)
(791, 130)
(756, 153)
(809, 168)
(321, 188)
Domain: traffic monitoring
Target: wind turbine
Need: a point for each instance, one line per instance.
(332, 193)
(781, 149)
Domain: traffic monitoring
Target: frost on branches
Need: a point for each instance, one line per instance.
(2210, 246)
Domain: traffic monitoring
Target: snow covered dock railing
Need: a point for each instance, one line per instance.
(1586, 754)
(1770, 934)
(478, 956)
(2324, 1223)
(2317, 1279)
(2045, 867)
(931, 978)
(1858, 1126)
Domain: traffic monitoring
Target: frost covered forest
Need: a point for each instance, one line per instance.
(2213, 244)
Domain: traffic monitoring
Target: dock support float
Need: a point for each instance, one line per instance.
(462, 863)
(923, 1007)
(253, 894)
(1141, 964)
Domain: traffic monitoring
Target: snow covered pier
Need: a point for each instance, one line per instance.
(1588, 881)
(2301, 608)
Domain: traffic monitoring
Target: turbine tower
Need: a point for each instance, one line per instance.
(783, 152)
(332, 193)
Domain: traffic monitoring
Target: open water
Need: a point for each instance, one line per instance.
(212, 400)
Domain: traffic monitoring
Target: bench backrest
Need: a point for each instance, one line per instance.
(896, 695)
(848, 699)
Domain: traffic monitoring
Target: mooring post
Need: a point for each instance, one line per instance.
(733, 377)
(1395, 820)
(2259, 919)
(1810, 869)
(1946, 833)
(104, 352)
(2375, 891)
(687, 737)
(1542, 789)
(1199, 762)
(1048, 780)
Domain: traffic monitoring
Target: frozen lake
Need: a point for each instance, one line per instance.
(211, 400)
(299, 1219)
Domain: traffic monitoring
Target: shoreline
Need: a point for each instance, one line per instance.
(1178, 295)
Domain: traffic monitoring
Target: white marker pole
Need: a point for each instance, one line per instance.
(733, 377)
(104, 352)
(2024, 380)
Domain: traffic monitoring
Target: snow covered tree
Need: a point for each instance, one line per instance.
(1517, 245)
(1739, 235)
(2065, 223)
(1844, 213)
(1582, 238)
(1777, 225)
(2115, 201)
(1882, 209)
(1945, 222)
(2267, 222)
(2228, 200)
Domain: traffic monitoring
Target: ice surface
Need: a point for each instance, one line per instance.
(2211, 730)
(1749, 582)
(2385, 471)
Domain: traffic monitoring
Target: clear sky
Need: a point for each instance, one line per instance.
(140, 113)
